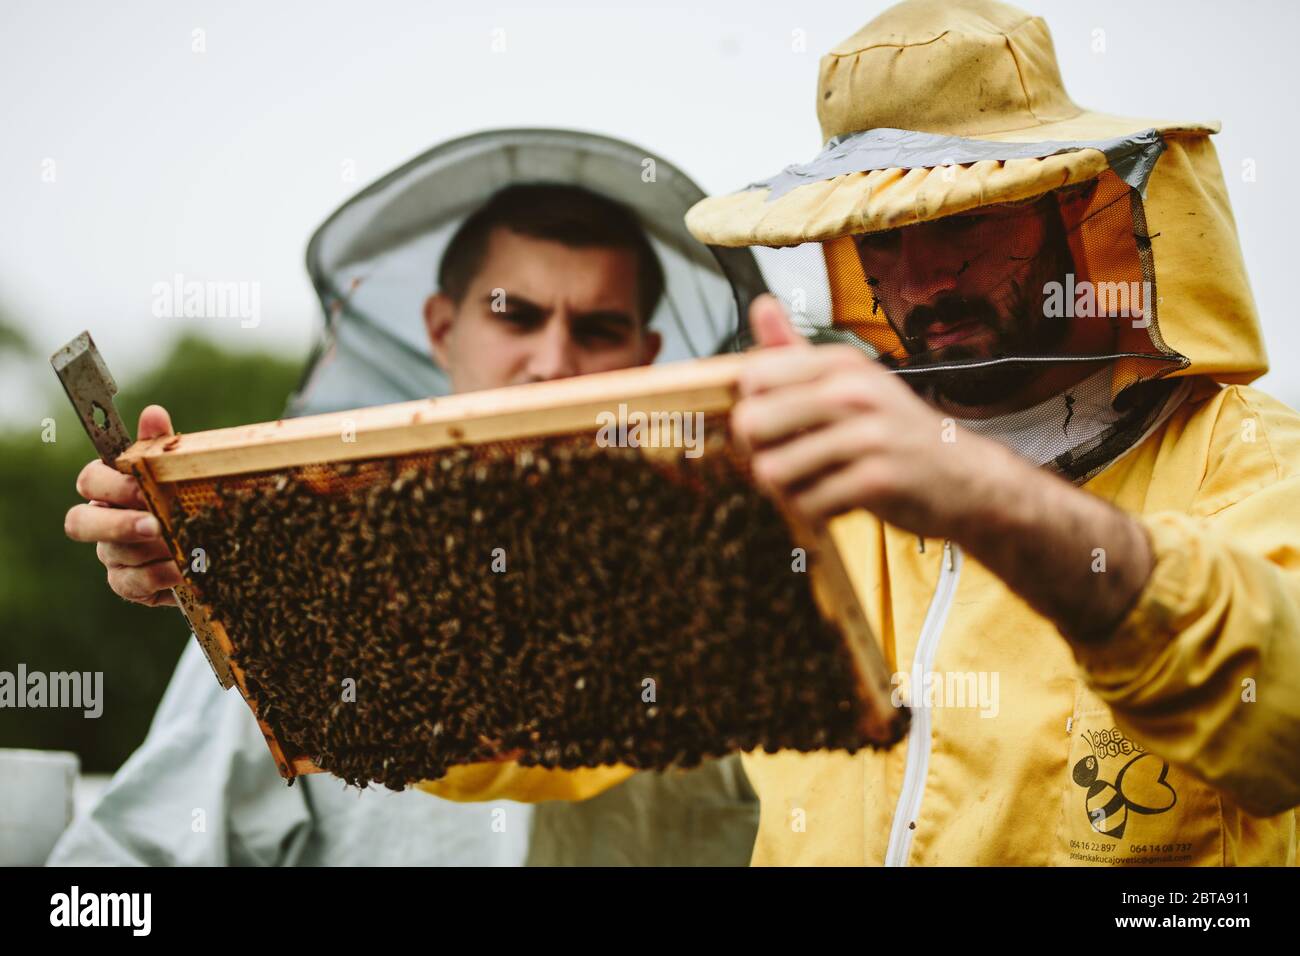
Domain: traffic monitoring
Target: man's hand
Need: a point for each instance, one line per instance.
(127, 537)
(831, 431)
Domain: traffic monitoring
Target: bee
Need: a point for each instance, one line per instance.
(1107, 805)
(874, 284)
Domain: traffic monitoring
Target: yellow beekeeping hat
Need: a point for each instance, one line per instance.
(935, 107)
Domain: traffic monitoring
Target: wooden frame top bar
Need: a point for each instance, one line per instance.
(521, 411)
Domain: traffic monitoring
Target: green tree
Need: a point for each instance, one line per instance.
(12, 338)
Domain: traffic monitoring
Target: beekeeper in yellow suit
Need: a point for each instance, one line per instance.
(1072, 523)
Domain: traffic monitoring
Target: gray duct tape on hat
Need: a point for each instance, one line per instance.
(374, 261)
(1131, 157)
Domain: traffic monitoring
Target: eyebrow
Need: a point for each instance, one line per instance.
(523, 303)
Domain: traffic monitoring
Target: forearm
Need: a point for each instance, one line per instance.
(1076, 559)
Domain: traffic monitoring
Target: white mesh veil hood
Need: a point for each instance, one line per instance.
(374, 260)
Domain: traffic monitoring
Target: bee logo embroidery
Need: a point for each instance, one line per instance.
(1139, 787)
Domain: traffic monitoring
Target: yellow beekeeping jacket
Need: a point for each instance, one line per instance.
(1176, 740)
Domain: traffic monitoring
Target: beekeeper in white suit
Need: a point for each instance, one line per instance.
(584, 235)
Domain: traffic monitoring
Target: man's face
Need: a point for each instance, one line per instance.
(968, 287)
(540, 310)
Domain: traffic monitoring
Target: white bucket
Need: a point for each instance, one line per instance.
(36, 803)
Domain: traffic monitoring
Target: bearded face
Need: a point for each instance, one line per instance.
(971, 287)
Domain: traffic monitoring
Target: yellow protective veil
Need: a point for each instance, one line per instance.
(936, 109)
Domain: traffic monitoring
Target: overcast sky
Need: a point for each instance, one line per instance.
(219, 164)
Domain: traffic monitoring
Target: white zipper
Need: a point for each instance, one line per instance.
(919, 741)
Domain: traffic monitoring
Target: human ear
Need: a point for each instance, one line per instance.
(439, 313)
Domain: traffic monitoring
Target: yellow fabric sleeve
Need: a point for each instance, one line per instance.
(1205, 669)
(506, 780)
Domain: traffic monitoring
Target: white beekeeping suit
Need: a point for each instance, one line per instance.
(202, 788)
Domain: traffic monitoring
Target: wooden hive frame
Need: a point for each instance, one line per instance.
(527, 411)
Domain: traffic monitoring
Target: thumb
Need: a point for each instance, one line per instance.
(770, 325)
(154, 423)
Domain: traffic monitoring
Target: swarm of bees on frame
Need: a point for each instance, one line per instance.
(568, 604)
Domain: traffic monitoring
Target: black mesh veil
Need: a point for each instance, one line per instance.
(974, 305)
